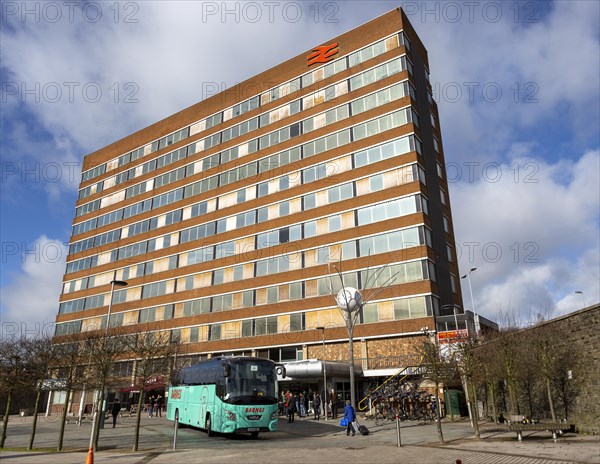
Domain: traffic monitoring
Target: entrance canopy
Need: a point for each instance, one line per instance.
(311, 370)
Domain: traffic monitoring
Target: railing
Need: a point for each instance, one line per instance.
(390, 362)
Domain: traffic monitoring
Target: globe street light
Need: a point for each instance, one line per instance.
(324, 373)
(349, 300)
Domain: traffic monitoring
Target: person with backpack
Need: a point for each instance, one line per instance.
(350, 416)
(317, 406)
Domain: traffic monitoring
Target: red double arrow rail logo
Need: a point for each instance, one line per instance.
(323, 54)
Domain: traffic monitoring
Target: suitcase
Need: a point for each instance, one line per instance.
(362, 429)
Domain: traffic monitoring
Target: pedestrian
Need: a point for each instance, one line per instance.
(150, 405)
(291, 408)
(301, 404)
(317, 406)
(333, 400)
(116, 409)
(159, 405)
(350, 416)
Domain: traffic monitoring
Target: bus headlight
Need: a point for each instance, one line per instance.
(275, 415)
(230, 416)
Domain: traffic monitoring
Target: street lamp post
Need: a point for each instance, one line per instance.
(322, 328)
(579, 292)
(476, 317)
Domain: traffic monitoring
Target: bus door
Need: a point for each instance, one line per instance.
(203, 405)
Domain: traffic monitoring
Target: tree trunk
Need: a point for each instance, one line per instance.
(512, 398)
(99, 404)
(438, 413)
(550, 401)
(138, 419)
(35, 414)
(63, 419)
(474, 409)
(493, 398)
(5, 422)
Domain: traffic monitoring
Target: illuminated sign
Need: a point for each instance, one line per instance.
(323, 54)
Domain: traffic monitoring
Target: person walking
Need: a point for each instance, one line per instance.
(350, 416)
(317, 406)
(116, 409)
(150, 405)
(301, 405)
(159, 405)
(333, 400)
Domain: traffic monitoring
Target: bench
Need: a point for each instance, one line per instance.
(557, 428)
(72, 417)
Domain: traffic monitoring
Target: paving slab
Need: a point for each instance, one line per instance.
(306, 441)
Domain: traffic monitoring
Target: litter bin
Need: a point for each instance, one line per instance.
(455, 404)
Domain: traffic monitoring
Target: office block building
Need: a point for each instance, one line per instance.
(232, 220)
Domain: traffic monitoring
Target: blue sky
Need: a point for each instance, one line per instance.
(517, 84)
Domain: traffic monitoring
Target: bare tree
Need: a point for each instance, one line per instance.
(103, 351)
(13, 357)
(509, 353)
(490, 368)
(41, 355)
(68, 356)
(469, 367)
(439, 368)
(151, 353)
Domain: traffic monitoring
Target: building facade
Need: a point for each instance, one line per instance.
(231, 219)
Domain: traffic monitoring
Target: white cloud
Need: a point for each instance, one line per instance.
(30, 300)
(533, 243)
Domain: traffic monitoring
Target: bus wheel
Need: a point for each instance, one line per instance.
(254, 434)
(208, 427)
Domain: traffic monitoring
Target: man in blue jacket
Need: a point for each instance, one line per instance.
(350, 416)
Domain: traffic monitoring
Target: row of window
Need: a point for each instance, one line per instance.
(292, 260)
(373, 127)
(380, 311)
(337, 114)
(252, 103)
(286, 181)
(368, 214)
(341, 192)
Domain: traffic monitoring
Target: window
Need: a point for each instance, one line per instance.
(214, 332)
(147, 315)
(194, 334)
(297, 322)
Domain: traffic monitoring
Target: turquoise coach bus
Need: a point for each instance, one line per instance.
(227, 395)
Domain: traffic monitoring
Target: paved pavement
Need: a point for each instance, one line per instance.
(305, 441)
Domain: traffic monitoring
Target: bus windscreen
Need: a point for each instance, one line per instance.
(251, 383)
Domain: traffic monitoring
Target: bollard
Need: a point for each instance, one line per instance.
(458, 461)
(90, 456)
(398, 442)
(176, 428)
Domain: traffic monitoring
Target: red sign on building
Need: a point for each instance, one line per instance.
(323, 54)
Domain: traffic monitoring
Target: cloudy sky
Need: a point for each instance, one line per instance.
(517, 84)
